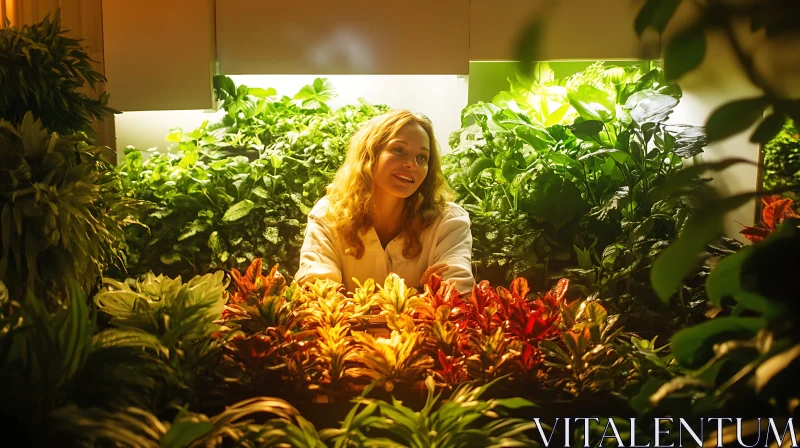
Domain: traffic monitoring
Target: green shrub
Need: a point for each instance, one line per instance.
(782, 160)
(43, 71)
(61, 211)
(557, 176)
(239, 189)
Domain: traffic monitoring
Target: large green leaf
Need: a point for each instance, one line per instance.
(677, 260)
(689, 142)
(262, 93)
(735, 117)
(554, 199)
(695, 345)
(175, 135)
(238, 210)
(768, 129)
(224, 85)
(181, 433)
(653, 109)
(725, 281)
(615, 202)
(593, 103)
(724, 278)
(478, 166)
(684, 53)
(656, 14)
(315, 95)
(587, 129)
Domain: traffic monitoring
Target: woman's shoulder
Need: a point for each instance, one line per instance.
(320, 209)
(453, 210)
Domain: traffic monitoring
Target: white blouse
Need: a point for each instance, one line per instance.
(448, 240)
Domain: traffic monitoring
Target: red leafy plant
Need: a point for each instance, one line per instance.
(264, 319)
(306, 337)
(490, 332)
(776, 210)
(254, 285)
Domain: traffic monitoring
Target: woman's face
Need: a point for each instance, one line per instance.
(403, 162)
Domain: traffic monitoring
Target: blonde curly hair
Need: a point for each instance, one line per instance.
(350, 193)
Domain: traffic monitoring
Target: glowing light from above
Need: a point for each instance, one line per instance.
(344, 48)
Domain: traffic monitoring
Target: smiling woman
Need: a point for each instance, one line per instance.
(388, 210)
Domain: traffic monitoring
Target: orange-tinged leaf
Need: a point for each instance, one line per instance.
(434, 282)
(766, 200)
(275, 282)
(556, 295)
(254, 271)
(776, 211)
(520, 288)
(755, 234)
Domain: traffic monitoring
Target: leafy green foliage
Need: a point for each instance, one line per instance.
(749, 356)
(168, 308)
(183, 316)
(239, 189)
(587, 351)
(61, 210)
(456, 423)
(43, 72)
(559, 176)
(782, 160)
(464, 420)
(685, 50)
(48, 359)
(746, 358)
(137, 427)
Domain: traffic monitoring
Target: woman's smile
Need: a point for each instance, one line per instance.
(404, 178)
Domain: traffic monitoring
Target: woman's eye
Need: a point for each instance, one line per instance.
(397, 150)
(422, 158)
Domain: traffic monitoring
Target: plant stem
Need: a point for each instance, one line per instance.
(610, 140)
(588, 187)
(508, 199)
(471, 193)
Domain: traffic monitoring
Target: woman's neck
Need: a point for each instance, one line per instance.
(386, 212)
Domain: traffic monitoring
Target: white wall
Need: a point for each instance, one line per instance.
(440, 97)
(718, 80)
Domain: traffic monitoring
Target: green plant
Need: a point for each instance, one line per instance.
(685, 50)
(173, 310)
(559, 177)
(49, 359)
(137, 427)
(458, 422)
(749, 357)
(781, 155)
(184, 317)
(586, 354)
(61, 210)
(258, 173)
(43, 72)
